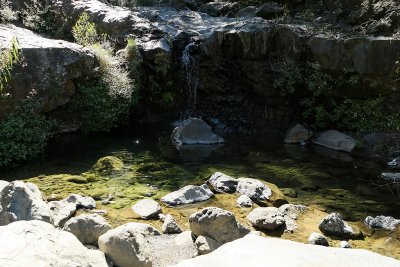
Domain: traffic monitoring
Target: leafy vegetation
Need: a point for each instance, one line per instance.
(104, 103)
(321, 106)
(24, 132)
(8, 59)
(6, 12)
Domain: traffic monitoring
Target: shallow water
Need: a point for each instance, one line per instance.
(325, 180)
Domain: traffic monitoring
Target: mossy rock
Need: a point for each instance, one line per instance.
(277, 198)
(108, 165)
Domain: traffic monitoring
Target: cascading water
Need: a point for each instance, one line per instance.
(190, 82)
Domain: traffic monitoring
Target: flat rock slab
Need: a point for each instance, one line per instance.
(335, 140)
(253, 250)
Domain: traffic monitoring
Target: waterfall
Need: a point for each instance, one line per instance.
(190, 82)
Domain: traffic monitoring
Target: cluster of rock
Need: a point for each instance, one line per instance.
(330, 139)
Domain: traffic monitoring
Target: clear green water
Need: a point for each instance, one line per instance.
(328, 180)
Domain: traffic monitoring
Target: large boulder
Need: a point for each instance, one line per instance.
(223, 183)
(253, 250)
(335, 140)
(61, 211)
(23, 201)
(298, 134)
(37, 243)
(188, 195)
(333, 224)
(87, 228)
(194, 132)
(126, 245)
(268, 218)
(51, 67)
(147, 208)
(219, 224)
(382, 222)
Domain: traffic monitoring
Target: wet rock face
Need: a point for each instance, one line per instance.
(51, 67)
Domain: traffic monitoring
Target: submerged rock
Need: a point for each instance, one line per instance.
(244, 202)
(318, 239)
(170, 226)
(298, 134)
(268, 218)
(188, 195)
(254, 189)
(195, 131)
(382, 222)
(87, 228)
(219, 224)
(37, 243)
(223, 183)
(205, 245)
(147, 209)
(335, 140)
(333, 224)
(126, 245)
(22, 201)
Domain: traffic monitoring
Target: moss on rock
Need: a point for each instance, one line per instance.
(108, 165)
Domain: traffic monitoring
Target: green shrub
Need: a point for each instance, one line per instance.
(99, 111)
(23, 133)
(6, 12)
(84, 31)
(8, 59)
(162, 63)
(288, 76)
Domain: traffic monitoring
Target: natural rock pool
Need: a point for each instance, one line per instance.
(144, 163)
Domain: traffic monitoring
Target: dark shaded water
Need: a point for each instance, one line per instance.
(329, 180)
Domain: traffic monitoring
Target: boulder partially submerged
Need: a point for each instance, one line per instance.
(335, 140)
(195, 131)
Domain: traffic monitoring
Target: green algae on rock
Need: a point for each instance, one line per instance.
(108, 165)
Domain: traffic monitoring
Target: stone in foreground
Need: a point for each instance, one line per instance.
(382, 222)
(205, 245)
(61, 211)
(170, 226)
(318, 239)
(298, 134)
(194, 132)
(37, 243)
(333, 224)
(87, 228)
(268, 218)
(126, 245)
(188, 195)
(147, 208)
(223, 183)
(254, 250)
(219, 224)
(335, 140)
(22, 201)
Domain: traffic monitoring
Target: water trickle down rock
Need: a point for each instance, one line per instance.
(190, 81)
